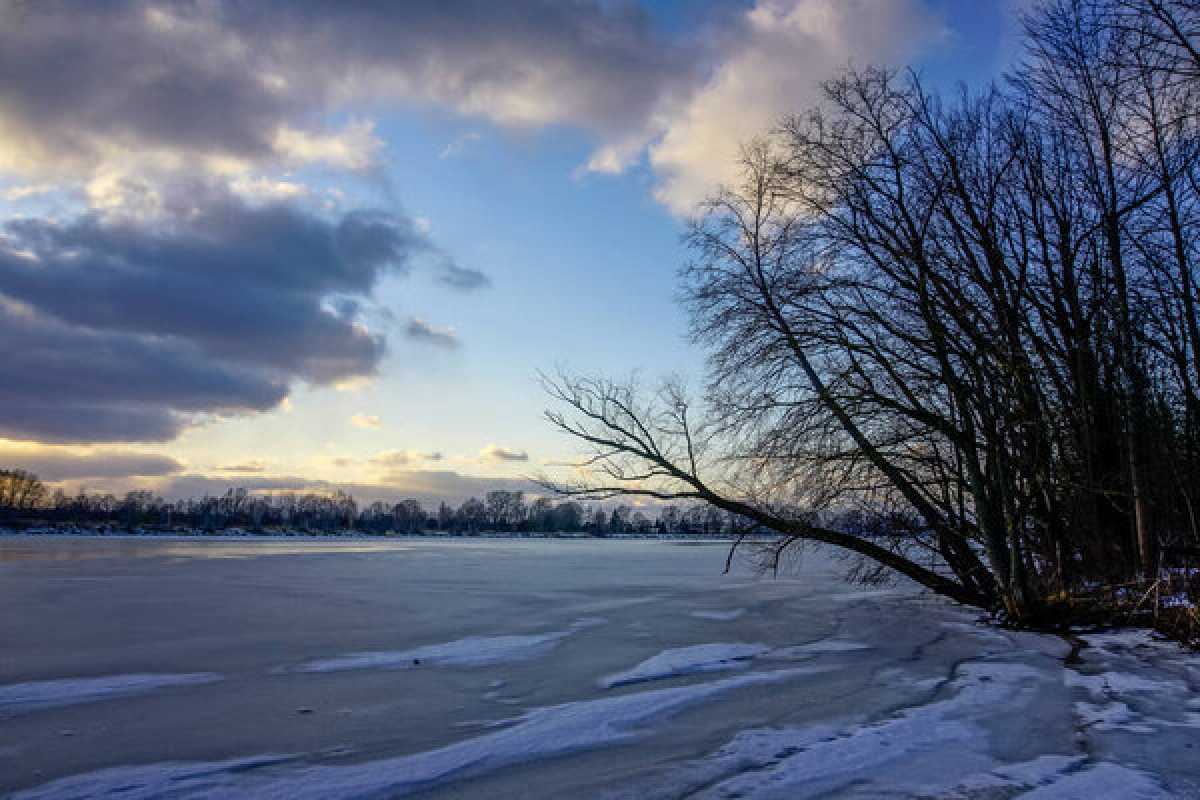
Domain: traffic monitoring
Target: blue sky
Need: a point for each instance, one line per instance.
(549, 156)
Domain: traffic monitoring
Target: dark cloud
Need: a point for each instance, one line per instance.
(421, 331)
(401, 458)
(225, 77)
(122, 331)
(57, 465)
(62, 383)
(495, 453)
(244, 284)
(457, 277)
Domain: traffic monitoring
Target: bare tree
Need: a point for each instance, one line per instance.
(20, 489)
(964, 329)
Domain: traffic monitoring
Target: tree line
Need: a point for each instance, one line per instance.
(971, 315)
(25, 497)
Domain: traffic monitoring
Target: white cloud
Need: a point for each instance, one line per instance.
(366, 421)
(355, 147)
(460, 144)
(774, 68)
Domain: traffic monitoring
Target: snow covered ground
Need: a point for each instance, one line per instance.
(549, 669)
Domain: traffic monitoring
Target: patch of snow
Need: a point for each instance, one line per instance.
(820, 647)
(36, 695)
(1108, 682)
(1103, 781)
(539, 734)
(1114, 716)
(600, 606)
(1177, 601)
(722, 616)
(687, 661)
(1133, 683)
(927, 750)
(473, 651)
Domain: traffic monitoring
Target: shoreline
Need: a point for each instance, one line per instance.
(242, 535)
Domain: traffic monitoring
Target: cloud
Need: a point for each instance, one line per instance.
(253, 465)
(401, 458)
(65, 383)
(120, 330)
(462, 278)
(773, 66)
(230, 88)
(353, 148)
(494, 453)
(366, 421)
(421, 331)
(460, 144)
(59, 464)
(227, 83)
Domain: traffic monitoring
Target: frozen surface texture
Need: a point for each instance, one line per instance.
(687, 661)
(484, 669)
(36, 695)
(474, 651)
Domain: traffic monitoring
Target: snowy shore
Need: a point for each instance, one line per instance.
(528, 669)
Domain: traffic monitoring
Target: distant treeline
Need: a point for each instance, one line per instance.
(24, 497)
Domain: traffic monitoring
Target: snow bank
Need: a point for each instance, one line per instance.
(474, 651)
(687, 661)
(20, 698)
(820, 647)
(722, 616)
(539, 734)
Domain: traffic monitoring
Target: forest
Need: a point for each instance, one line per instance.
(25, 502)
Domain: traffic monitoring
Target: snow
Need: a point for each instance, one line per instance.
(721, 616)
(21, 698)
(940, 748)
(539, 734)
(687, 661)
(1104, 781)
(819, 648)
(903, 752)
(1177, 601)
(474, 651)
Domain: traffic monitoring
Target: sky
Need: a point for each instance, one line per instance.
(321, 245)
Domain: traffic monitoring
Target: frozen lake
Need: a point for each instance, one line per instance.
(507, 668)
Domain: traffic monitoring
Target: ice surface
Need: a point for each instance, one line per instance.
(539, 734)
(687, 661)
(898, 694)
(35, 695)
(474, 651)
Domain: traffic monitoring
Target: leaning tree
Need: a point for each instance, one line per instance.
(954, 338)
